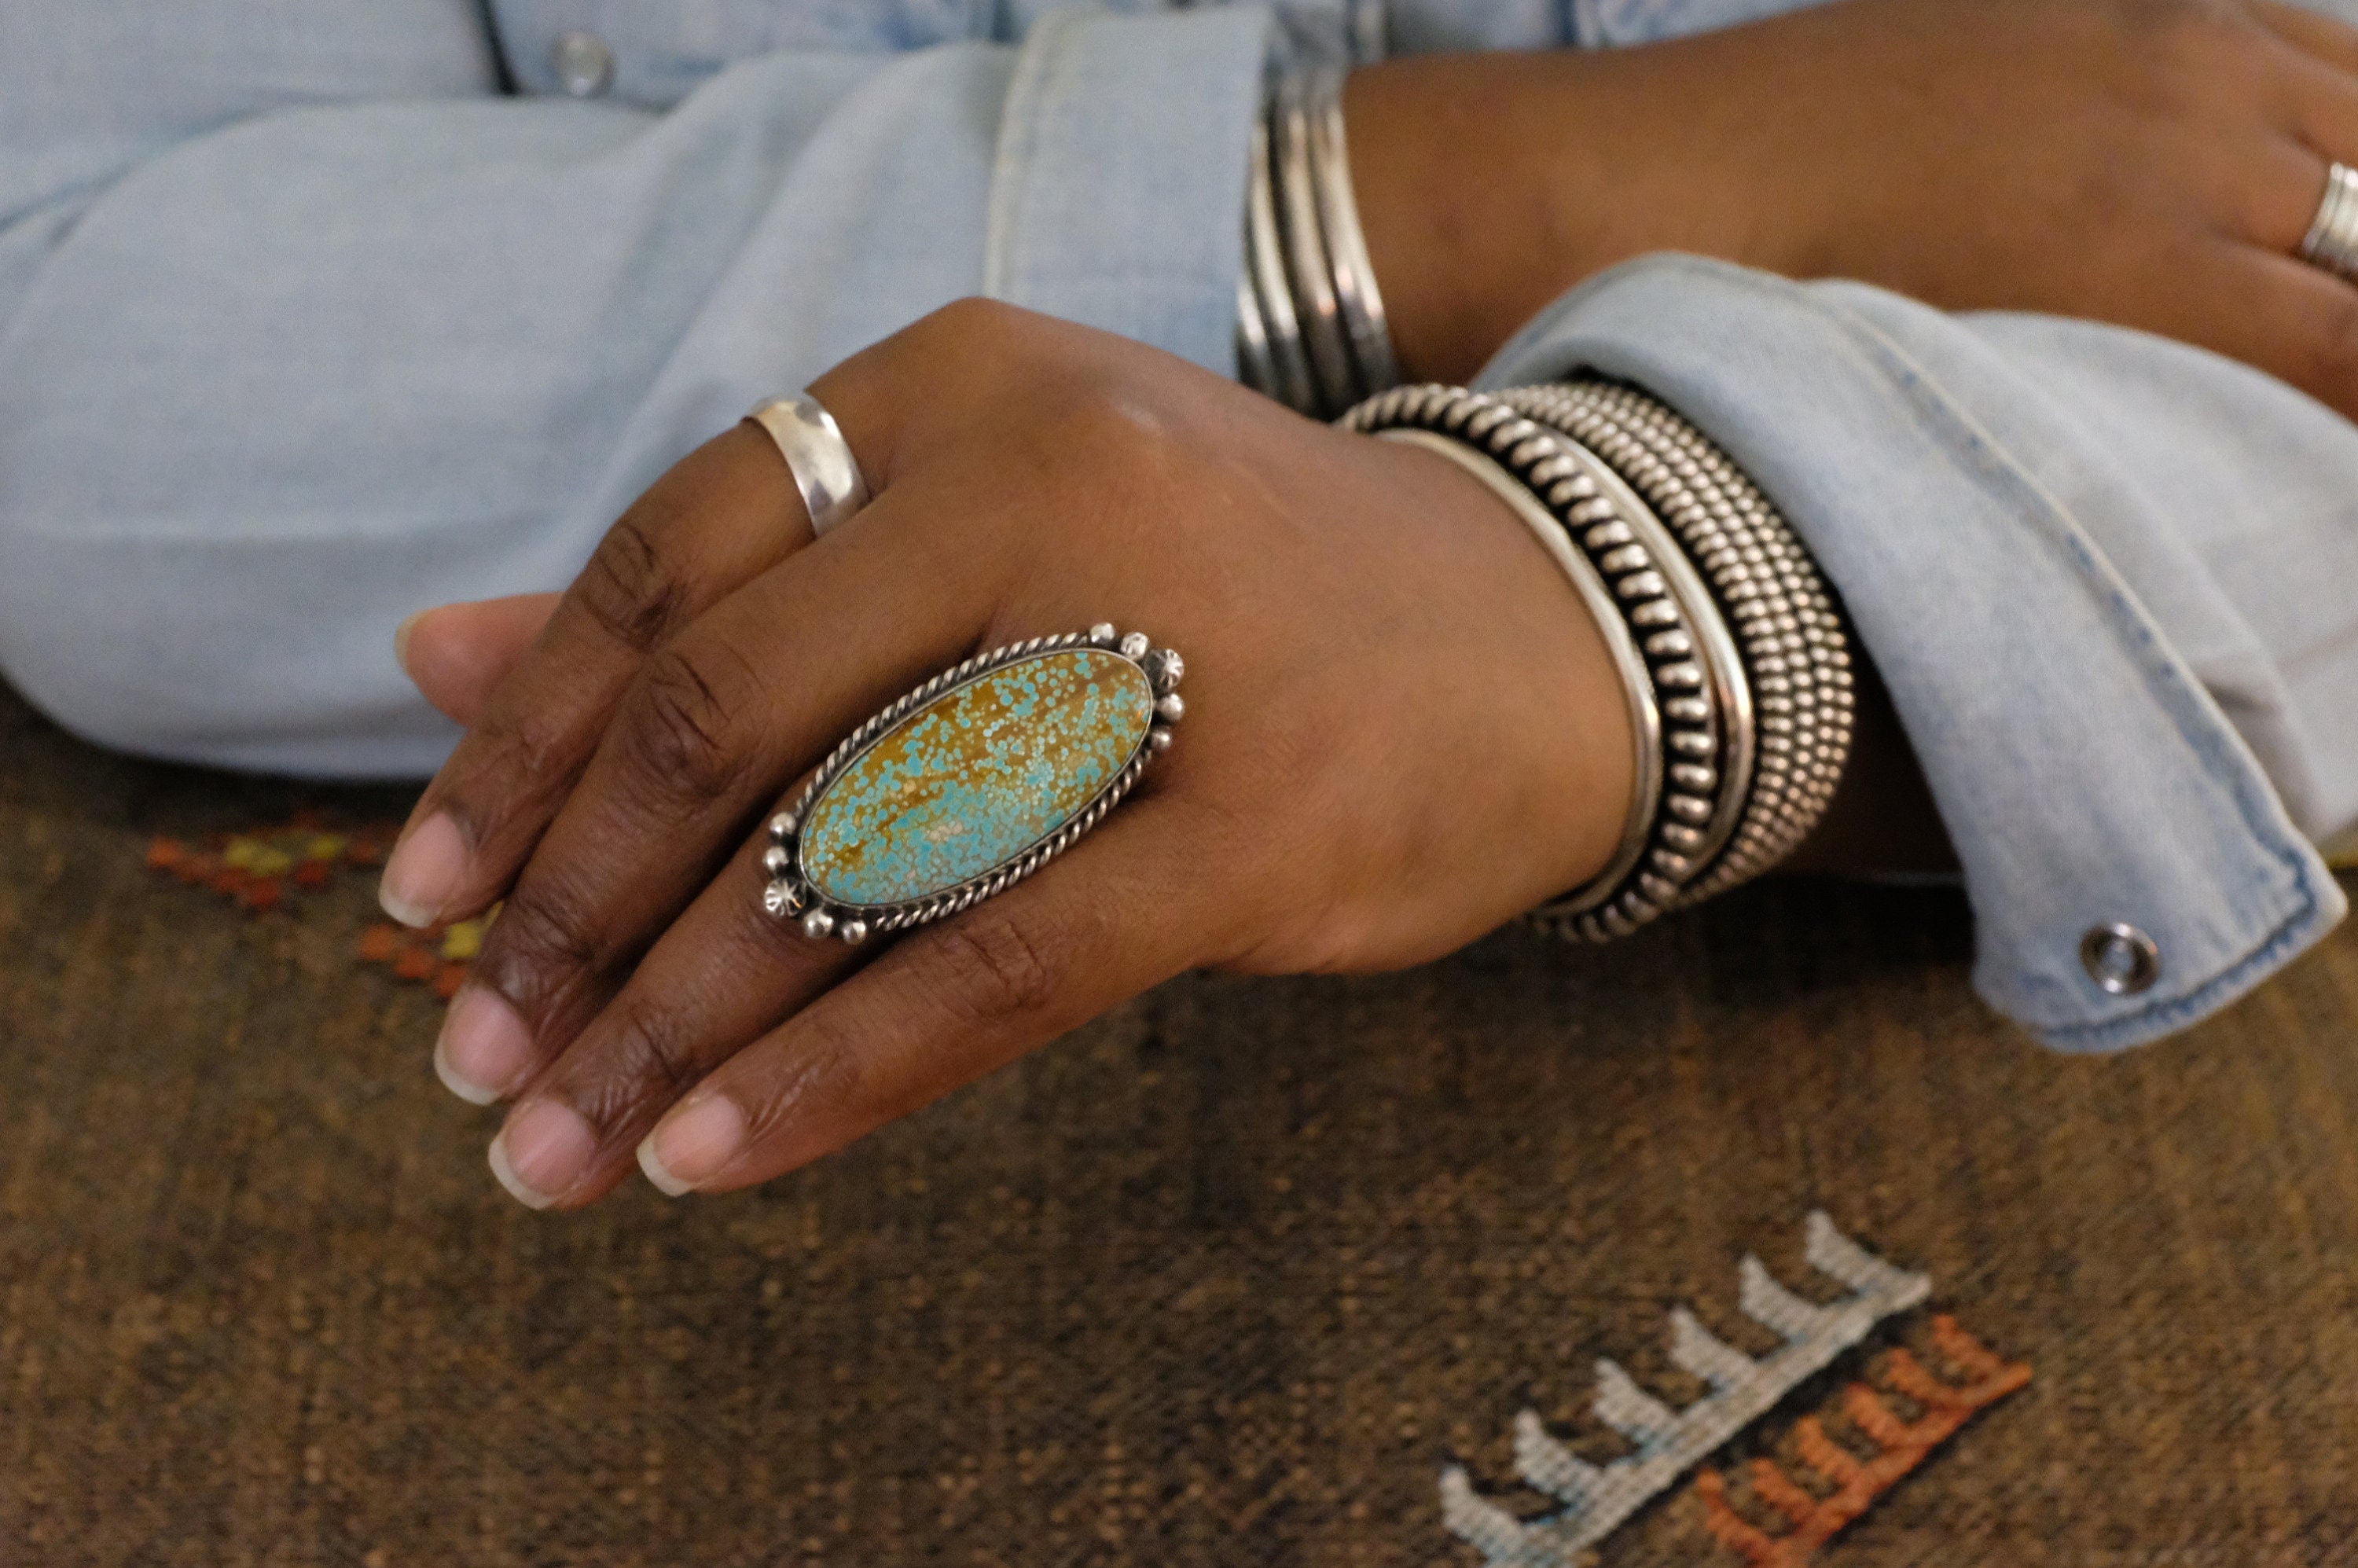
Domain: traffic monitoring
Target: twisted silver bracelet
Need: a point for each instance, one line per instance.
(1742, 657)
(1310, 319)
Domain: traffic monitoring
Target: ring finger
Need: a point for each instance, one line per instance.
(720, 976)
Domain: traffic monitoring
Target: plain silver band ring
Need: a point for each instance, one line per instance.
(818, 456)
(2333, 239)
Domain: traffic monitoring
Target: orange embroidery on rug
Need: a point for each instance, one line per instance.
(440, 955)
(261, 868)
(1857, 1482)
(268, 867)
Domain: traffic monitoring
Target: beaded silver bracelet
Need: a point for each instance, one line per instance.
(1743, 655)
(1310, 319)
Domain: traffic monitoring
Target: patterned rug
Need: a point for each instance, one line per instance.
(1232, 1276)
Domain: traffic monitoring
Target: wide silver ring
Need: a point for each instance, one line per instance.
(2332, 238)
(970, 782)
(818, 456)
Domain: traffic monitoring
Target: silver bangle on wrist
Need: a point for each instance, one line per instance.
(1792, 636)
(1718, 620)
(1310, 319)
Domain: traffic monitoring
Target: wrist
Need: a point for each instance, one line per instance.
(1736, 657)
(1533, 690)
(1487, 184)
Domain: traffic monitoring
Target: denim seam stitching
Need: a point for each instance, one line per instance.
(1028, 92)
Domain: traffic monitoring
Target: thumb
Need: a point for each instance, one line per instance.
(458, 653)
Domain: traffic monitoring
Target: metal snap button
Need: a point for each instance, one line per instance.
(2120, 958)
(583, 64)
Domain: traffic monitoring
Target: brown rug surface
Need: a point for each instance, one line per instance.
(1225, 1278)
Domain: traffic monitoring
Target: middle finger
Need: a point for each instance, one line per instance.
(718, 720)
(724, 974)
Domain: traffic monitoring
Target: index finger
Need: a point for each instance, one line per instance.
(717, 519)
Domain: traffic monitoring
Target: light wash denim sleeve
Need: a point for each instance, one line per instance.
(2110, 581)
(285, 370)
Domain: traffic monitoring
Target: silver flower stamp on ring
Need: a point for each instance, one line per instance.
(972, 783)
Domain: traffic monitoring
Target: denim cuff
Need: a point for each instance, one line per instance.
(1117, 195)
(2086, 775)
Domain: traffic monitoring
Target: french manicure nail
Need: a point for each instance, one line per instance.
(424, 872)
(692, 1145)
(542, 1152)
(484, 1047)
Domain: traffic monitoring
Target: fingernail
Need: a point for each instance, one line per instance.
(424, 871)
(692, 1145)
(484, 1047)
(401, 640)
(542, 1152)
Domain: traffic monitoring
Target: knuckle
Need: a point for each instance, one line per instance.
(518, 755)
(833, 1067)
(545, 931)
(989, 969)
(658, 1047)
(1112, 419)
(630, 591)
(684, 734)
(974, 319)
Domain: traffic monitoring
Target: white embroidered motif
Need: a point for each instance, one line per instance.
(1597, 1497)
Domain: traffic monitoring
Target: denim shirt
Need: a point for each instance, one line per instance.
(309, 319)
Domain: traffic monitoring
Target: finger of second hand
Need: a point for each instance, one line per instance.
(751, 695)
(726, 971)
(720, 517)
(1124, 911)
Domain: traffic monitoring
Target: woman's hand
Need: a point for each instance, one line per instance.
(1402, 730)
(2150, 163)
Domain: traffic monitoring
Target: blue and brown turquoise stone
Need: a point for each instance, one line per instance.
(976, 777)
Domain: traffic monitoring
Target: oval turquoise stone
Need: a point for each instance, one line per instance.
(976, 777)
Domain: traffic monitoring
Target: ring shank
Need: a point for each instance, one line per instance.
(818, 457)
(2331, 242)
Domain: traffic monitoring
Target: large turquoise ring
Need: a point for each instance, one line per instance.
(970, 782)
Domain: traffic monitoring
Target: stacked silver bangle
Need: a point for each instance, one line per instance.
(1734, 657)
(1310, 321)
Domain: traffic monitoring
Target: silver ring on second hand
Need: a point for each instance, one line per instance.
(818, 456)
(972, 783)
(2332, 238)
